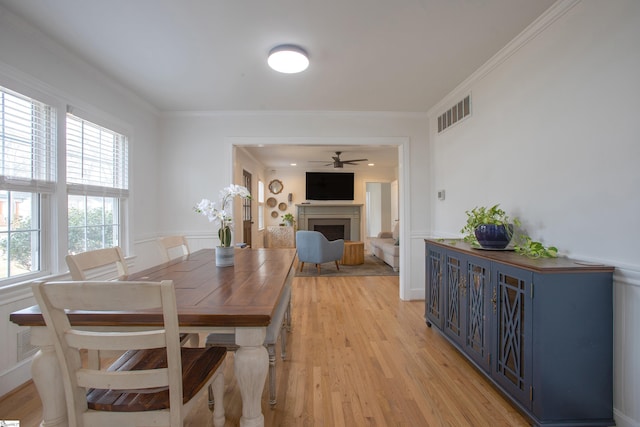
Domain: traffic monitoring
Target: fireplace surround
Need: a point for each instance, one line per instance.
(330, 218)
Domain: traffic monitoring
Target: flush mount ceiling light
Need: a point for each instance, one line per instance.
(288, 59)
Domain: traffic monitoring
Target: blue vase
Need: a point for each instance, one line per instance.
(492, 236)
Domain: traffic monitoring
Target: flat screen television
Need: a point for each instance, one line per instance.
(329, 186)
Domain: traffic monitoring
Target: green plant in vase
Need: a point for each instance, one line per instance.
(482, 216)
(288, 219)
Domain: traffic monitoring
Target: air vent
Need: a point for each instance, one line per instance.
(454, 114)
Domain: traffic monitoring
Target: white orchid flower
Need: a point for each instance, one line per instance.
(223, 216)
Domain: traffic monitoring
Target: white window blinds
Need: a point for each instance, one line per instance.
(27, 143)
(97, 159)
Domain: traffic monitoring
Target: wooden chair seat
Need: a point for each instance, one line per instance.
(198, 364)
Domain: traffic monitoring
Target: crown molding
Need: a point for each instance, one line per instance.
(308, 113)
(551, 15)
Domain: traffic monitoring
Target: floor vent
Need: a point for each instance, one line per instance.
(25, 349)
(454, 114)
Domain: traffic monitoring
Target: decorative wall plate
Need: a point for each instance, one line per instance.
(274, 214)
(271, 202)
(282, 206)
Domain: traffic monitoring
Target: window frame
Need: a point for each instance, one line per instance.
(44, 189)
(121, 194)
(53, 205)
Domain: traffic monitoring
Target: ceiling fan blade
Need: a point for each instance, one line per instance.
(354, 160)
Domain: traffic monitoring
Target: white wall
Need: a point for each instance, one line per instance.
(293, 180)
(554, 137)
(196, 148)
(30, 61)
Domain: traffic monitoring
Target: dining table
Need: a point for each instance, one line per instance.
(239, 299)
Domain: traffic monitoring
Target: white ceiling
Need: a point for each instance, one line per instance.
(319, 157)
(210, 55)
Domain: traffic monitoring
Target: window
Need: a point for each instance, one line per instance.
(260, 205)
(27, 176)
(97, 184)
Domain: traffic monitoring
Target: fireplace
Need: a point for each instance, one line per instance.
(336, 221)
(333, 228)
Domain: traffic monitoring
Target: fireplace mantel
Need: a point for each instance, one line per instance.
(326, 211)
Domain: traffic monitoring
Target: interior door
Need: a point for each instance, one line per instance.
(247, 219)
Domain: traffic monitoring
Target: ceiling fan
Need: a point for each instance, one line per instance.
(337, 163)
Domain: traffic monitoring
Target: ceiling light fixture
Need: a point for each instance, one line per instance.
(288, 58)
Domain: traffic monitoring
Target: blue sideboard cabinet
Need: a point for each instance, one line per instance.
(540, 330)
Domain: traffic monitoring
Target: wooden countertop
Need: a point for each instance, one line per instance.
(539, 265)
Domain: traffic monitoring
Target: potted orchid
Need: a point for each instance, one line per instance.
(221, 214)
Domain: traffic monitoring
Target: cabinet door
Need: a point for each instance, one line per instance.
(477, 311)
(454, 294)
(512, 367)
(433, 290)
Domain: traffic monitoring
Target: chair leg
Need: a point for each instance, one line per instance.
(337, 266)
(283, 342)
(271, 349)
(318, 267)
(218, 394)
(301, 265)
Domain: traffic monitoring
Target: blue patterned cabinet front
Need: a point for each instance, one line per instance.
(540, 330)
(434, 267)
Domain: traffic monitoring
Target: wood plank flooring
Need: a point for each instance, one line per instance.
(356, 356)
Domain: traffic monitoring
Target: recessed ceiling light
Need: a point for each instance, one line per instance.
(371, 164)
(292, 164)
(288, 58)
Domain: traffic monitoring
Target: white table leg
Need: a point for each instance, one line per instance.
(251, 363)
(48, 380)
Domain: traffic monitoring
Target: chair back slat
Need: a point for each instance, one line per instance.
(173, 247)
(123, 341)
(149, 379)
(96, 262)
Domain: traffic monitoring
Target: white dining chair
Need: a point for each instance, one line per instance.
(173, 247)
(155, 382)
(106, 263)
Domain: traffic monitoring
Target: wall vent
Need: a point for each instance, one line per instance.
(455, 114)
(25, 349)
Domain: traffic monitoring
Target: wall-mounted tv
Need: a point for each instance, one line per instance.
(329, 186)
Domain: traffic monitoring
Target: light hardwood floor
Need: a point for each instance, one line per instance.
(357, 356)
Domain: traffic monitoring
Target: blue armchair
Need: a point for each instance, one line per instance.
(314, 247)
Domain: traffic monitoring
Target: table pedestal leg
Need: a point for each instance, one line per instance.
(251, 363)
(48, 381)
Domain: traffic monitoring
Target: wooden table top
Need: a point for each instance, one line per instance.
(243, 295)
